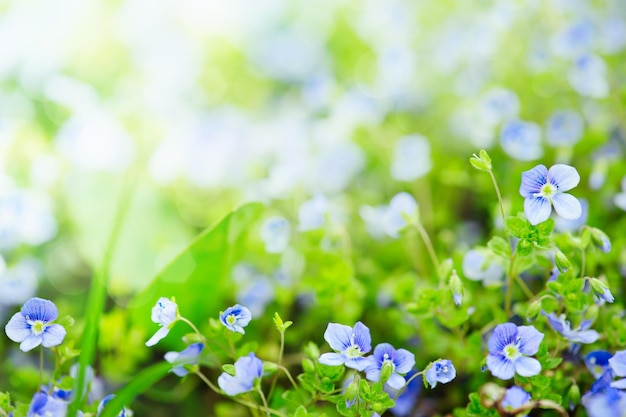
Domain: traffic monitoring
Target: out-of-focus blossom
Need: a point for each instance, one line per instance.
(189, 356)
(401, 206)
(25, 218)
(598, 362)
(407, 399)
(373, 218)
(104, 402)
(256, 294)
(620, 198)
(499, 105)
(613, 35)
(521, 140)
(618, 364)
(247, 370)
(514, 398)
(574, 40)
(564, 127)
(18, 283)
(43, 405)
(478, 267)
(563, 326)
(588, 76)
(411, 158)
(312, 213)
(275, 233)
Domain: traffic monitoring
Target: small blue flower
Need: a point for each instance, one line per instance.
(401, 206)
(165, 314)
(189, 356)
(351, 343)
(411, 158)
(605, 403)
(478, 267)
(514, 398)
(275, 233)
(618, 364)
(312, 213)
(104, 402)
(588, 76)
(33, 326)
(521, 140)
(247, 370)
(598, 362)
(43, 405)
(509, 349)
(562, 326)
(401, 362)
(542, 188)
(441, 371)
(564, 127)
(235, 318)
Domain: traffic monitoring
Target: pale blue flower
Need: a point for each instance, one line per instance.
(401, 362)
(440, 371)
(499, 105)
(43, 405)
(189, 356)
(618, 364)
(235, 318)
(521, 140)
(514, 398)
(411, 158)
(574, 40)
(256, 294)
(165, 314)
(18, 283)
(247, 370)
(604, 403)
(104, 402)
(588, 76)
(402, 205)
(33, 325)
(564, 128)
(613, 34)
(509, 349)
(478, 267)
(373, 218)
(620, 198)
(543, 188)
(275, 233)
(350, 345)
(563, 326)
(312, 213)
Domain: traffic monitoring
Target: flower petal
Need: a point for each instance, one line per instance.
(533, 180)
(502, 335)
(618, 363)
(567, 206)
(332, 359)
(584, 336)
(53, 335)
(537, 209)
(338, 336)
(362, 337)
(500, 366)
(160, 334)
(404, 361)
(17, 328)
(40, 309)
(30, 343)
(372, 373)
(395, 381)
(526, 366)
(530, 339)
(619, 384)
(360, 363)
(563, 176)
(383, 349)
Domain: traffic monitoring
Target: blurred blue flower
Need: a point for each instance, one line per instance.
(235, 318)
(613, 34)
(604, 403)
(515, 397)
(351, 343)
(509, 349)
(618, 364)
(256, 294)
(33, 326)
(165, 314)
(588, 76)
(18, 283)
(598, 362)
(564, 128)
(499, 105)
(247, 370)
(521, 140)
(25, 218)
(478, 267)
(411, 158)
(402, 205)
(104, 402)
(401, 361)
(373, 218)
(574, 40)
(275, 233)
(43, 405)
(189, 356)
(563, 326)
(312, 213)
(440, 371)
(542, 188)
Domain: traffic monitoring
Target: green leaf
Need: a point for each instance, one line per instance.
(333, 373)
(499, 246)
(230, 368)
(516, 226)
(301, 412)
(139, 384)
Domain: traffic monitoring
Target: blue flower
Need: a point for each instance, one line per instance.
(588, 76)
(43, 405)
(247, 370)
(402, 205)
(400, 361)
(440, 371)
(618, 364)
(189, 356)
(478, 267)
(542, 188)
(564, 127)
(509, 348)
(275, 233)
(312, 213)
(411, 158)
(33, 326)
(165, 314)
(605, 403)
(104, 402)
(351, 343)
(598, 362)
(521, 140)
(236, 318)
(514, 398)
(562, 326)
(407, 399)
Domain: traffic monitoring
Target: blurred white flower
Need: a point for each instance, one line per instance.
(275, 233)
(401, 205)
(18, 283)
(411, 158)
(312, 213)
(25, 218)
(588, 76)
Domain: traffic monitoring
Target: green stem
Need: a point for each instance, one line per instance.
(501, 203)
(40, 366)
(195, 329)
(280, 359)
(264, 400)
(582, 263)
(401, 390)
(430, 249)
(509, 287)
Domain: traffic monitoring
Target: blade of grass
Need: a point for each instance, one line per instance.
(95, 302)
(139, 384)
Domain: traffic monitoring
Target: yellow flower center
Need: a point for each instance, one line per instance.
(37, 327)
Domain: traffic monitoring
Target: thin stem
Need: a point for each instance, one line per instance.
(501, 203)
(195, 329)
(408, 381)
(264, 400)
(582, 263)
(280, 359)
(524, 287)
(289, 377)
(429, 248)
(40, 366)
(509, 287)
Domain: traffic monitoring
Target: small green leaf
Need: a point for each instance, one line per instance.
(499, 246)
(230, 369)
(301, 412)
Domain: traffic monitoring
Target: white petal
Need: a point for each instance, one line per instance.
(567, 206)
(537, 210)
(526, 366)
(564, 177)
